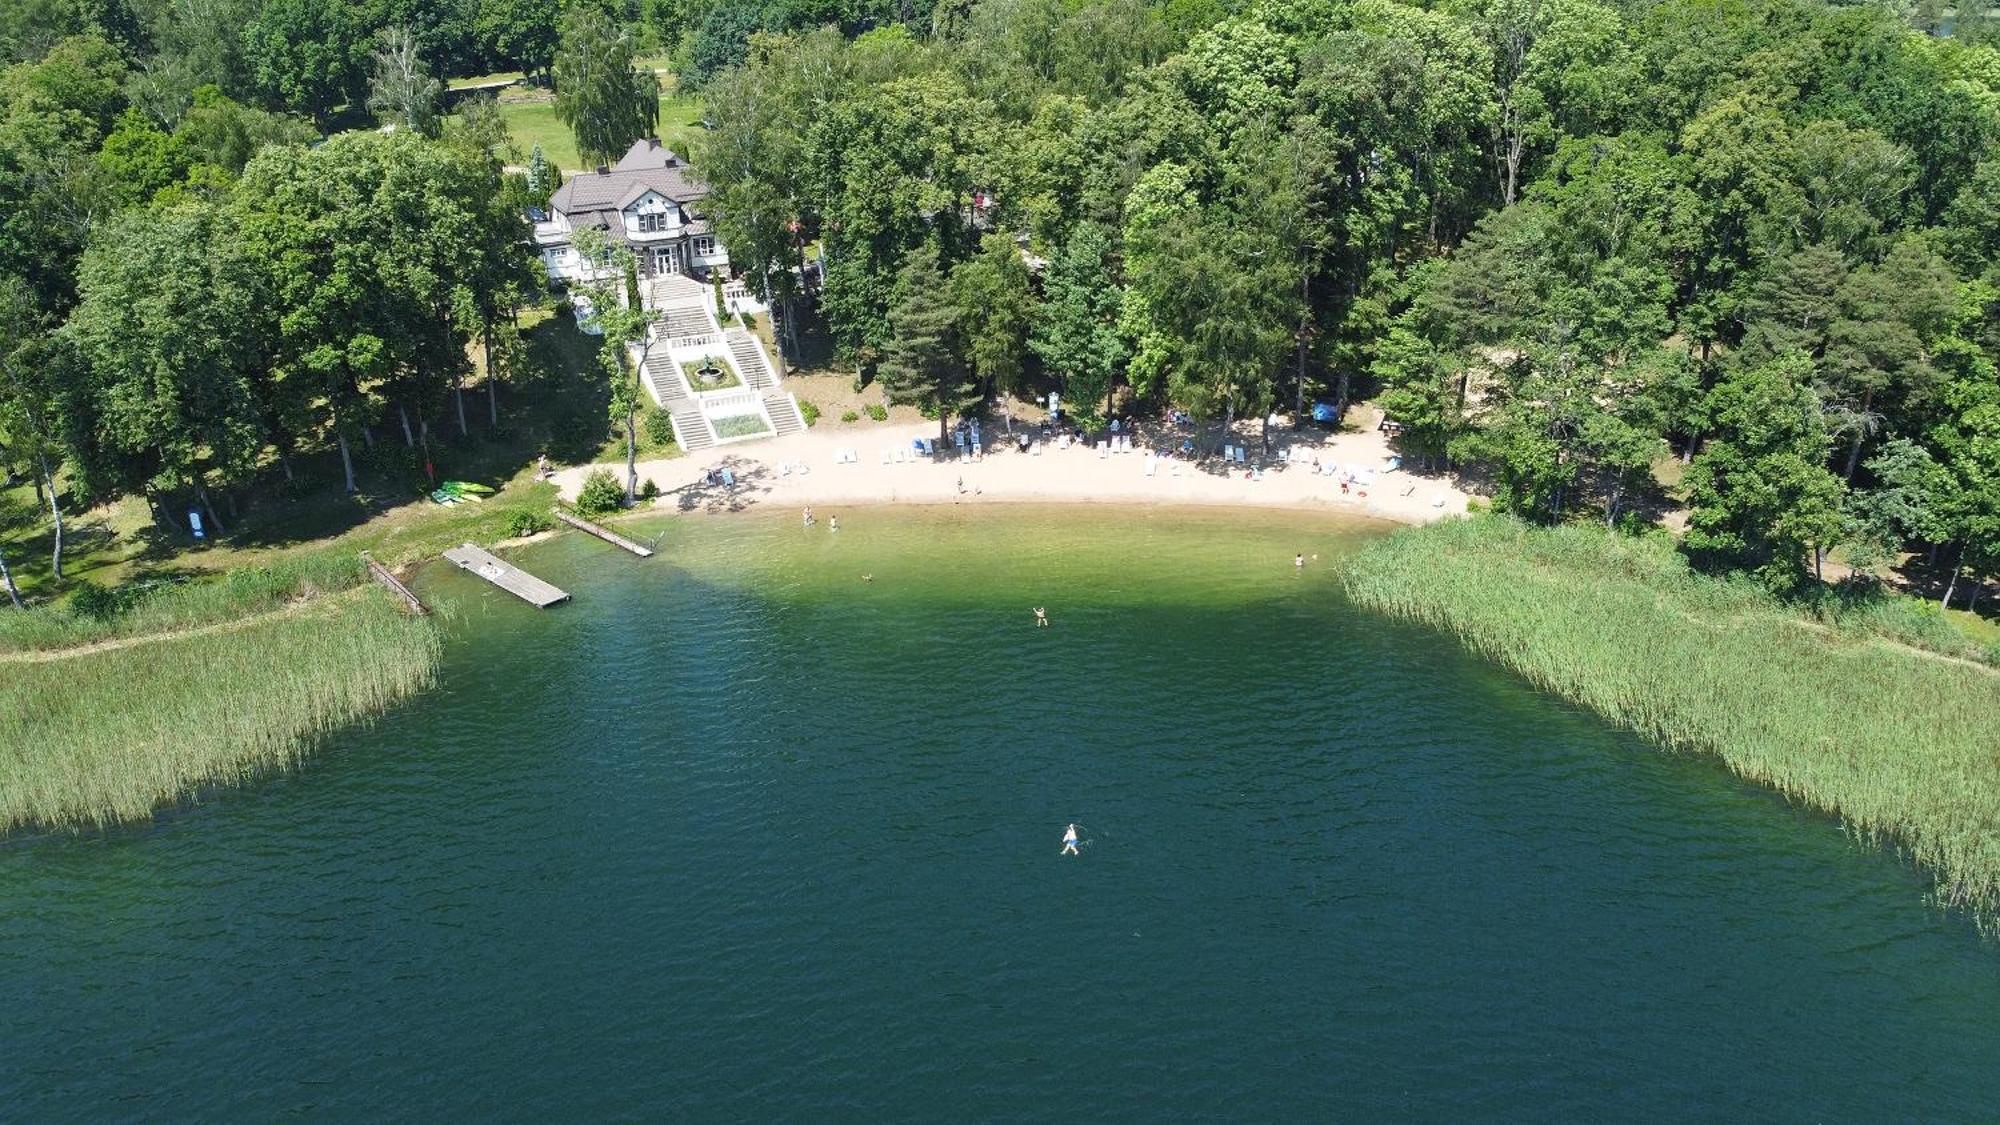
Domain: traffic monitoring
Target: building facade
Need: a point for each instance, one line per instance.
(649, 202)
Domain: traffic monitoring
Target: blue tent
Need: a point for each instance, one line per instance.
(1325, 412)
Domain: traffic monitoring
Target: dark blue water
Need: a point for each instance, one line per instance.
(737, 835)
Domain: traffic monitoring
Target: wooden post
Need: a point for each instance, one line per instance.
(604, 533)
(395, 585)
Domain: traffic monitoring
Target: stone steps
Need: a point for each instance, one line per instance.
(785, 416)
(750, 360)
(691, 429)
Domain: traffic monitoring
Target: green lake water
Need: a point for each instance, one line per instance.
(736, 835)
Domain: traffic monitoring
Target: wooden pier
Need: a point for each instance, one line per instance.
(508, 577)
(604, 533)
(395, 585)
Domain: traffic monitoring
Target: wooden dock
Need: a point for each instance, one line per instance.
(604, 533)
(508, 577)
(395, 585)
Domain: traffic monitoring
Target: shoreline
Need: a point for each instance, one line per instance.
(767, 472)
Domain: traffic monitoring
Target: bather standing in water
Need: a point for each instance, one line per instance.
(1069, 841)
(1041, 618)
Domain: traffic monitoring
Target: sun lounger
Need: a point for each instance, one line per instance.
(1035, 449)
(729, 478)
(1152, 464)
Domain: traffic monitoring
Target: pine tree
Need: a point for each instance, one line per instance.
(924, 364)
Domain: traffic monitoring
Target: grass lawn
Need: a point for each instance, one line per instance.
(531, 120)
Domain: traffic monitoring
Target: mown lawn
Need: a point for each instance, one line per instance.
(531, 120)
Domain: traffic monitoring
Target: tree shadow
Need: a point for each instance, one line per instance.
(711, 493)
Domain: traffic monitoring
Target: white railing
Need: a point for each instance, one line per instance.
(705, 340)
(735, 400)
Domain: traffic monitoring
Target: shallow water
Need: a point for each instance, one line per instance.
(736, 834)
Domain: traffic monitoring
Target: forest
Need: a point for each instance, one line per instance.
(1729, 264)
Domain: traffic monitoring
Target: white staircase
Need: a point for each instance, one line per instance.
(684, 329)
(750, 359)
(670, 390)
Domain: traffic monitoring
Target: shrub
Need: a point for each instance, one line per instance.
(93, 601)
(878, 412)
(810, 411)
(600, 494)
(849, 416)
(660, 428)
(523, 524)
(749, 319)
(649, 489)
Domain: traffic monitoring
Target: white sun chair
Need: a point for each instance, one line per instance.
(1152, 464)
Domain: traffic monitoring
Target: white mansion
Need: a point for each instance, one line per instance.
(712, 376)
(649, 201)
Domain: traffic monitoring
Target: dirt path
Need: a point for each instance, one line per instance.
(289, 609)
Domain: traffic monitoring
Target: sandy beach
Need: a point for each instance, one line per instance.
(807, 469)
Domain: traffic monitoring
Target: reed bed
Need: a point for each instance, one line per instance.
(112, 734)
(192, 604)
(1903, 745)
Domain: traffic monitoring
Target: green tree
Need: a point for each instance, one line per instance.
(1760, 493)
(924, 363)
(30, 402)
(618, 312)
(169, 330)
(606, 100)
(1076, 332)
(996, 308)
(306, 55)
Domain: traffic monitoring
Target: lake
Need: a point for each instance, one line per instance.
(739, 834)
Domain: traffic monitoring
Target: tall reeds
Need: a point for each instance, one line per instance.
(112, 734)
(1904, 745)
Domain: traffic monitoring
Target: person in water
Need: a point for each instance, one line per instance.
(1299, 561)
(1041, 618)
(809, 515)
(833, 523)
(1069, 841)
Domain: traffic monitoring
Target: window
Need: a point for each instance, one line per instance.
(652, 223)
(704, 245)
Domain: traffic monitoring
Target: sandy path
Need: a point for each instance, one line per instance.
(766, 473)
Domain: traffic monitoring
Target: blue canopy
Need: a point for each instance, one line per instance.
(1325, 412)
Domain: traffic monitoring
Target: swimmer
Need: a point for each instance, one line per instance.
(1041, 618)
(868, 578)
(809, 515)
(1069, 841)
(1299, 561)
(833, 523)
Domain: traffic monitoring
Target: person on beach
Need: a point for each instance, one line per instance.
(1041, 618)
(1069, 841)
(542, 467)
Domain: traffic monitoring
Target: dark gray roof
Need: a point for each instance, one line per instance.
(648, 165)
